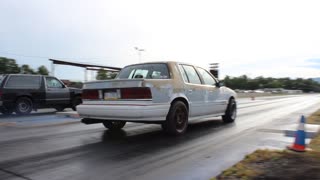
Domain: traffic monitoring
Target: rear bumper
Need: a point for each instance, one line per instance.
(125, 112)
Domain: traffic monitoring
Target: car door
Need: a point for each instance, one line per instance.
(193, 90)
(56, 92)
(213, 100)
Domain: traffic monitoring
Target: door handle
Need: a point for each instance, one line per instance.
(190, 90)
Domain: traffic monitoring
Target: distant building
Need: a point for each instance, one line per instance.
(292, 91)
(281, 90)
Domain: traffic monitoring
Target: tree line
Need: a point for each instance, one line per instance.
(9, 66)
(245, 83)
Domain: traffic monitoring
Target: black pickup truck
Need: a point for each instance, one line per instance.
(23, 93)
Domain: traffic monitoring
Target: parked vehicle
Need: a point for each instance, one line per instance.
(23, 93)
(167, 93)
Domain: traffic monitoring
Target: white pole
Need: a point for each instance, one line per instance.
(85, 75)
(52, 68)
(139, 53)
(92, 75)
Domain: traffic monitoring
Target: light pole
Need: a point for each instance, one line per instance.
(139, 52)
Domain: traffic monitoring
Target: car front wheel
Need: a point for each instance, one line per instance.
(231, 112)
(114, 125)
(177, 119)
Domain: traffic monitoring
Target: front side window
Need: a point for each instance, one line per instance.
(207, 78)
(24, 82)
(53, 83)
(145, 71)
(192, 75)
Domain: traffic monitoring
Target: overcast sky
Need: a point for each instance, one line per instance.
(256, 38)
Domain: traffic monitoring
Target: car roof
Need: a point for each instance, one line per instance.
(25, 75)
(166, 62)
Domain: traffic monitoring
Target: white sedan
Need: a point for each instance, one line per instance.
(166, 93)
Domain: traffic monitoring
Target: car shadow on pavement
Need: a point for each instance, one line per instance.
(156, 140)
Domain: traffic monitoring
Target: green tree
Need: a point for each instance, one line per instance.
(26, 69)
(245, 83)
(43, 70)
(111, 75)
(102, 74)
(8, 66)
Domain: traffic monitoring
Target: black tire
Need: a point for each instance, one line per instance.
(75, 102)
(6, 111)
(60, 108)
(177, 119)
(24, 106)
(114, 125)
(231, 112)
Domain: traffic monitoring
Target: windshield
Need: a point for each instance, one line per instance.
(145, 71)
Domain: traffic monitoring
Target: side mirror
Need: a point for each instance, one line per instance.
(219, 84)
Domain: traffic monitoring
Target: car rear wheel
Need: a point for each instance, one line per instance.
(114, 125)
(177, 119)
(24, 106)
(231, 112)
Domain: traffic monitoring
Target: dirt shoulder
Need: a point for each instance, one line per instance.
(274, 165)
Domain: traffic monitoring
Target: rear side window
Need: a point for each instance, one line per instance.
(183, 72)
(192, 75)
(33, 82)
(145, 71)
(207, 78)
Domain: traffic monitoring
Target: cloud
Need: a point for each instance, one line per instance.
(269, 38)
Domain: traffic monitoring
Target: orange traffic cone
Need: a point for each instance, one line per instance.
(299, 144)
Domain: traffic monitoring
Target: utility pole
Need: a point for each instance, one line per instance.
(139, 52)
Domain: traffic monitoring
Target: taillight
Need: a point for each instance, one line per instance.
(90, 94)
(136, 93)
